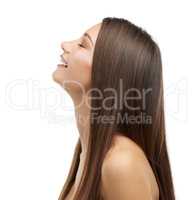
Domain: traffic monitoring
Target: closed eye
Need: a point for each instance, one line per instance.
(81, 45)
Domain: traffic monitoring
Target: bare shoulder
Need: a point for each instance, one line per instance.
(126, 173)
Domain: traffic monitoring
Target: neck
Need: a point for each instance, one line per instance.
(82, 114)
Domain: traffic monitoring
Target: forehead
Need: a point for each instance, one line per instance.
(93, 31)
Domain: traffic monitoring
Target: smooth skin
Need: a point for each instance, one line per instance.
(126, 172)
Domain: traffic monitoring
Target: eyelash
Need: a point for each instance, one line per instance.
(81, 45)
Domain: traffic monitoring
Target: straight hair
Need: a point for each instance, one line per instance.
(126, 52)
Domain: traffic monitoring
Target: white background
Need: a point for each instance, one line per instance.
(38, 132)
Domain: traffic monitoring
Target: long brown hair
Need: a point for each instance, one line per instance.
(126, 52)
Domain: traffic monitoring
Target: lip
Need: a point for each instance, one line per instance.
(62, 65)
(63, 60)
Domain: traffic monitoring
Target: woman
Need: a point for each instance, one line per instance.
(113, 74)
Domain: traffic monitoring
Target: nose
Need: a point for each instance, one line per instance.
(64, 47)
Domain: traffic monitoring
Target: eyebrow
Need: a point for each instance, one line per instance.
(87, 35)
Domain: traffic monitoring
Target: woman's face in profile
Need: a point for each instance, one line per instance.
(78, 55)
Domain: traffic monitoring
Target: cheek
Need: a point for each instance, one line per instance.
(80, 67)
(80, 59)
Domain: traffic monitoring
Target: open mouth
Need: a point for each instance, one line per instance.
(62, 65)
(64, 62)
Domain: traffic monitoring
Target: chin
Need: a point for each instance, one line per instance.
(57, 77)
(70, 86)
